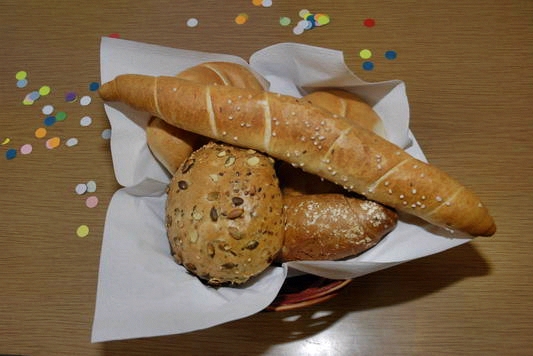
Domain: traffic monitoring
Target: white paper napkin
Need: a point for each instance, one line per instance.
(141, 291)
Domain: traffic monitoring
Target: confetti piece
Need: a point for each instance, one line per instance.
(34, 95)
(6, 141)
(284, 21)
(298, 30)
(266, 3)
(81, 188)
(11, 153)
(310, 21)
(303, 13)
(365, 53)
(91, 186)
(47, 109)
(94, 86)
(61, 116)
(368, 65)
(114, 35)
(40, 132)
(26, 149)
(21, 75)
(241, 19)
(82, 231)
(70, 97)
(192, 22)
(44, 90)
(49, 120)
(322, 19)
(73, 141)
(369, 22)
(91, 202)
(85, 100)
(106, 134)
(53, 142)
(22, 83)
(257, 2)
(86, 121)
(391, 55)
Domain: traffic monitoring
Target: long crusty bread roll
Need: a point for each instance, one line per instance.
(309, 137)
(332, 226)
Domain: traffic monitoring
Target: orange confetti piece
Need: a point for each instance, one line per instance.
(40, 132)
(53, 142)
(241, 19)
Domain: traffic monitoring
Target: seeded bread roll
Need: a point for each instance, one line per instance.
(332, 226)
(224, 214)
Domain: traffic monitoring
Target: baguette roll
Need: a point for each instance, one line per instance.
(224, 214)
(332, 226)
(311, 138)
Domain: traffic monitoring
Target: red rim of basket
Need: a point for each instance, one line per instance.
(306, 290)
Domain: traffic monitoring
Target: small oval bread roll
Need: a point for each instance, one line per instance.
(332, 226)
(224, 214)
(169, 144)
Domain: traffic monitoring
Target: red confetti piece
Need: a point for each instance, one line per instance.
(369, 22)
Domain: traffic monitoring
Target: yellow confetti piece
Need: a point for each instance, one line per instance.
(365, 53)
(322, 19)
(44, 90)
(6, 141)
(241, 19)
(82, 231)
(21, 75)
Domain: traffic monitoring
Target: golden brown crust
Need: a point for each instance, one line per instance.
(170, 145)
(224, 214)
(332, 226)
(310, 138)
(346, 104)
(222, 73)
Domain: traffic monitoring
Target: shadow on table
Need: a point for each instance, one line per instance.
(257, 333)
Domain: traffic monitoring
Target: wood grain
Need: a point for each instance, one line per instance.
(467, 67)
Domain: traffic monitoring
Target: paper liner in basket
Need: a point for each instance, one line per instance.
(141, 291)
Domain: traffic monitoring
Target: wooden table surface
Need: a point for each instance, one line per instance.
(468, 70)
